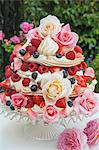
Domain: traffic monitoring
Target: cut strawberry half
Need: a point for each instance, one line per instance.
(35, 42)
(81, 80)
(70, 55)
(33, 67)
(43, 69)
(8, 71)
(72, 71)
(61, 103)
(84, 65)
(31, 49)
(39, 100)
(25, 67)
(30, 102)
(9, 92)
(26, 81)
(15, 77)
(79, 67)
(26, 56)
(78, 49)
(55, 69)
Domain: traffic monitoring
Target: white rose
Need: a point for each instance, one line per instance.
(49, 25)
(48, 47)
(54, 86)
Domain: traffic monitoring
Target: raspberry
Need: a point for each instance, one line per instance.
(43, 69)
(25, 67)
(39, 100)
(30, 102)
(12, 57)
(35, 42)
(31, 49)
(9, 92)
(33, 67)
(70, 55)
(78, 49)
(15, 77)
(26, 81)
(61, 103)
(72, 71)
(84, 65)
(54, 69)
(8, 71)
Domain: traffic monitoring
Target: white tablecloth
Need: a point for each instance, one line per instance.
(13, 138)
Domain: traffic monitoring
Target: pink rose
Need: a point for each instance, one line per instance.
(1, 35)
(72, 139)
(50, 114)
(66, 37)
(92, 132)
(18, 100)
(25, 27)
(15, 39)
(86, 104)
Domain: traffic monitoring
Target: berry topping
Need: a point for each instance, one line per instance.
(26, 81)
(33, 67)
(58, 55)
(70, 55)
(61, 103)
(36, 54)
(34, 75)
(72, 71)
(55, 69)
(9, 92)
(12, 57)
(8, 103)
(31, 49)
(22, 52)
(78, 49)
(35, 42)
(30, 102)
(12, 107)
(70, 103)
(34, 87)
(65, 74)
(84, 65)
(8, 71)
(15, 77)
(39, 100)
(25, 67)
(79, 67)
(72, 80)
(43, 69)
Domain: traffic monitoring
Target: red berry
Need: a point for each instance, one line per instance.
(9, 92)
(54, 69)
(35, 42)
(72, 71)
(12, 57)
(70, 55)
(15, 77)
(30, 102)
(39, 100)
(33, 67)
(26, 81)
(31, 49)
(61, 103)
(8, 71)
(25, 67)
(78, 49)
(79, 67)
(43, 69)
(84, 65)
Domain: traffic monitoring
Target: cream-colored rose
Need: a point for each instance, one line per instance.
(49, 25)
(48, 47)
(54, 86)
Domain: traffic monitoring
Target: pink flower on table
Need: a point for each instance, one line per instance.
(25, 27)
(66, 37)
(72, 139)
(87, 104)
(15, 39)
(1, 35)
(92, 132)
(50, 114)
(18, 100)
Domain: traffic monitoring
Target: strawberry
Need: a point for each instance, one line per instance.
(35, 42)
(31, 49)
(8, 71)
(55, 69)
(72, 70)
(33, 67)
(81, 80)
(25, 67)
(26, 56)
(43, 69)
(26, 81)
(5, 83)
(78, 49)
(79, 67)
(30, 102)
(84, 65)
(15, 77)
(9, 92)
(39, 100)
(70, 55)
(61, 103)
(12, 57)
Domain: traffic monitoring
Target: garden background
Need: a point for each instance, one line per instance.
(83, 16)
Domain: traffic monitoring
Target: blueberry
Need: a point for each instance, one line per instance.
(58, 55)
(72, 80)
(35, 54)
(83, 70)
(65, 74)
(34, 87)
(8, 103)
(1, 89)
(34, 75)
(65, 68)
(22, 52)
(70, 103)
(12, 107)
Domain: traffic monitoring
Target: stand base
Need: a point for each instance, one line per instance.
(43, 132)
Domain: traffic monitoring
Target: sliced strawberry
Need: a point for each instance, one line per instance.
(70, 55)
(5, 83)
(84, 65)
(8, 71)
(26, 56)
(61, 103)
(33, 67)
(30, 102)
(43, 69)
(78, 49)
(25, 67)
(15, 77)
(26, 81)
(35, 42)
(39, 100)
(31, 49)
(55, 69)
(81, 80)
(9, 92)
(72, 71)
(79, 67)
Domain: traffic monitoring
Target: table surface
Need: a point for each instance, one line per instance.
(12, 136)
